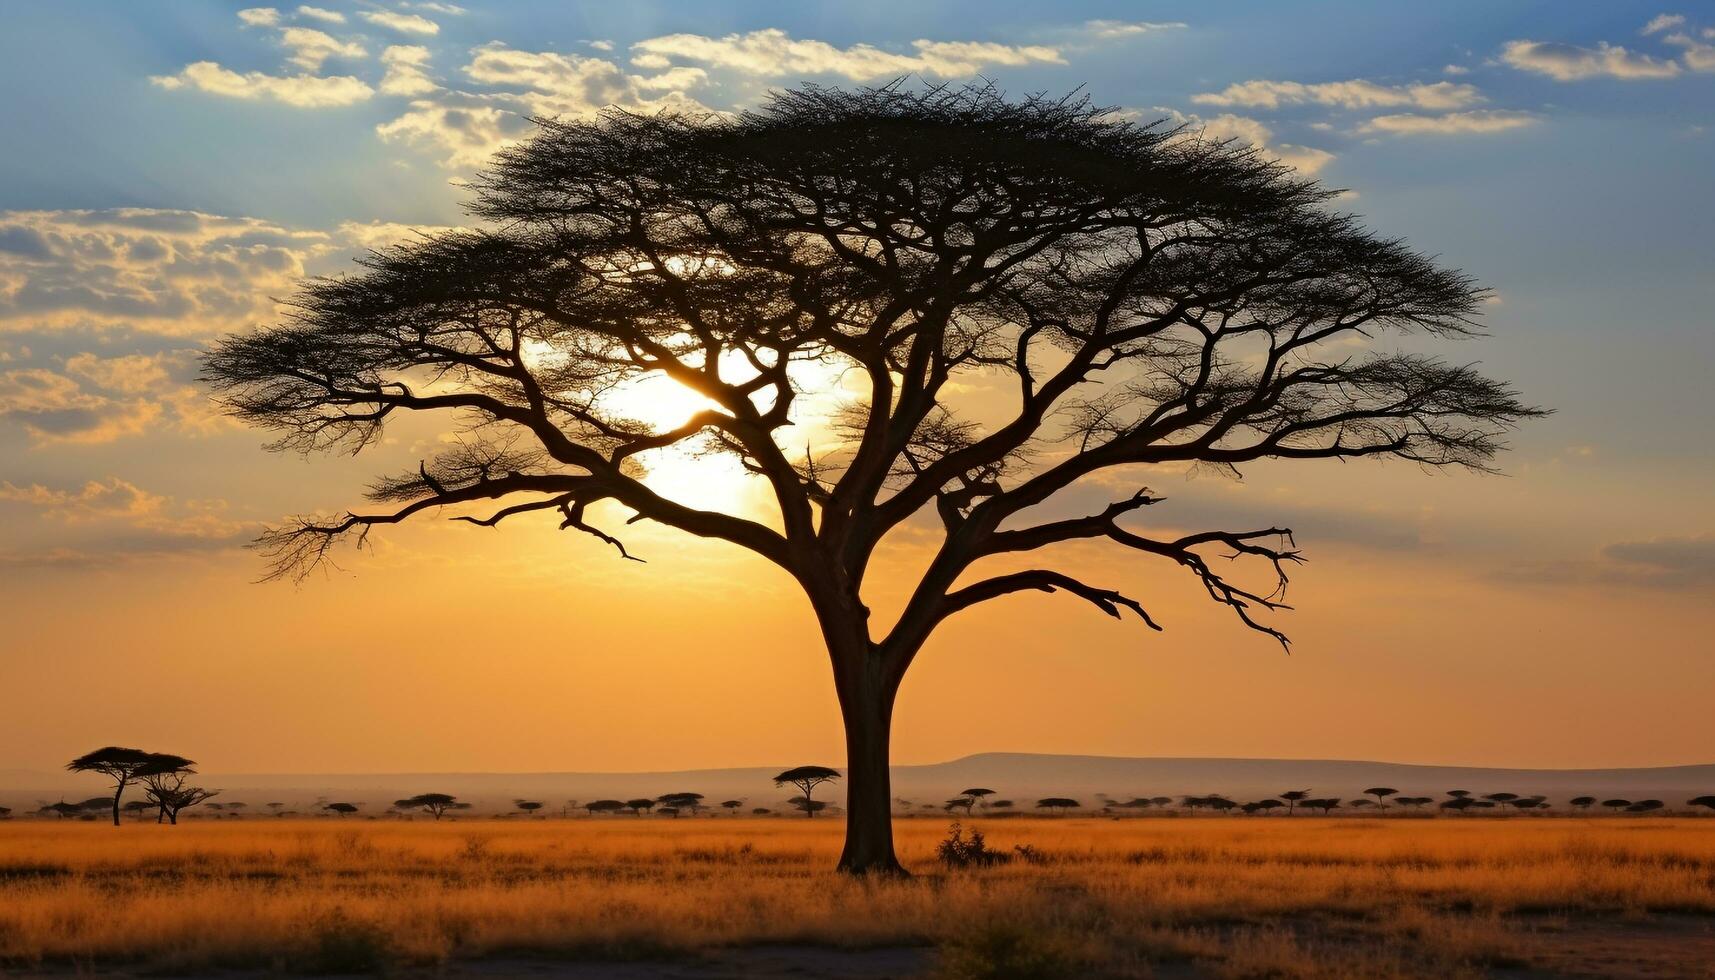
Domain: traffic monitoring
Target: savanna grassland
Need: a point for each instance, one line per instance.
(1261, 897)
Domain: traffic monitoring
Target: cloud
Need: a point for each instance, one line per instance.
(1697, 56)
(322, 14)
(1452, 123)
(1569, 63)
(1353, 94)
(1111, 29)
(467, 128)
(463, 129)
(259, 17)
(178, 272)
(405, 75)
(311, 47)
(1672, 564)
(403, 23)
(772, 53)
(301, 91)
(115, 519)
(1455, 70)
(1307, 160)
(1662, 22)
(450, 9)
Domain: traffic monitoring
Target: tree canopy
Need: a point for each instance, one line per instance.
(1141, 295)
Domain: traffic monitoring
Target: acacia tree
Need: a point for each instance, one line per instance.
(1143, 296)
(435, 804)
(119, 764)
(806, 779)
(165, 776)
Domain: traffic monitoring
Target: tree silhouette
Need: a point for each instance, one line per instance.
(732, 806)
(807, 778)
(675, 802)
(1293, 798)
(809, 806)
(1151, 299)
(435, 804)
(1616, 805)
(343, 809)
(1583, 802)
(1645, 806)
(1060, 803)
(1380, 793)
(118, 764)
(604, 806)
(1326, 805)
(977, 796)
(640, 805)
(1415, 802)
(1459, 794)
(165, 777)
(528, 807)
(963, 802)
(999, 804)
(1706, 802)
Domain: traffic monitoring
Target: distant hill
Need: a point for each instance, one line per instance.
(1021, 776)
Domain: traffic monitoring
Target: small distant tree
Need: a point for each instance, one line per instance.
(1616, 805)
(276, 808)
(136, 808)
(5, 812)
(806, 779)
(1327, 805)
(1645, 806)
(1219, 804)
(1415, 802)
(95, 804)
(62, 809)
(118, 764)
(1269, 805)
(761, 811)
(527, 807)
(681, 801)
(999, 804)
(1706, 802)
(343, 809)
(434, 804)
(604, 806)
(1060, 803)
(809, 806)
(1501, 798)
(978, 796)
(960, 803)
(1582, 803)
(1161, 800)
(1380, 793)
(1293, 798)
(640, 806)
(1362, 804)
(1459, 794)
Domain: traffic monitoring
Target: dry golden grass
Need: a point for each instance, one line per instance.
(1246, 897)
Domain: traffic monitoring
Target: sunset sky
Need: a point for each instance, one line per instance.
(170, 169)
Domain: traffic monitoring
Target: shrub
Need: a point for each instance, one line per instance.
(959, 851)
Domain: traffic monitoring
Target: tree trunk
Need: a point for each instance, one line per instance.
(866, 701)
(118, 791)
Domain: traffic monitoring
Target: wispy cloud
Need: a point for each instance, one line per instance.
(322, 14)
(301, 91)
(772, 53)
(1226, 126)
(311, 47)
(1570, 63)
(403, 23)
(1452, 123)
(1662, 22)
(1355, 93)
(259, 17)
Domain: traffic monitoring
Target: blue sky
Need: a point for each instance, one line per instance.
(170, 167)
